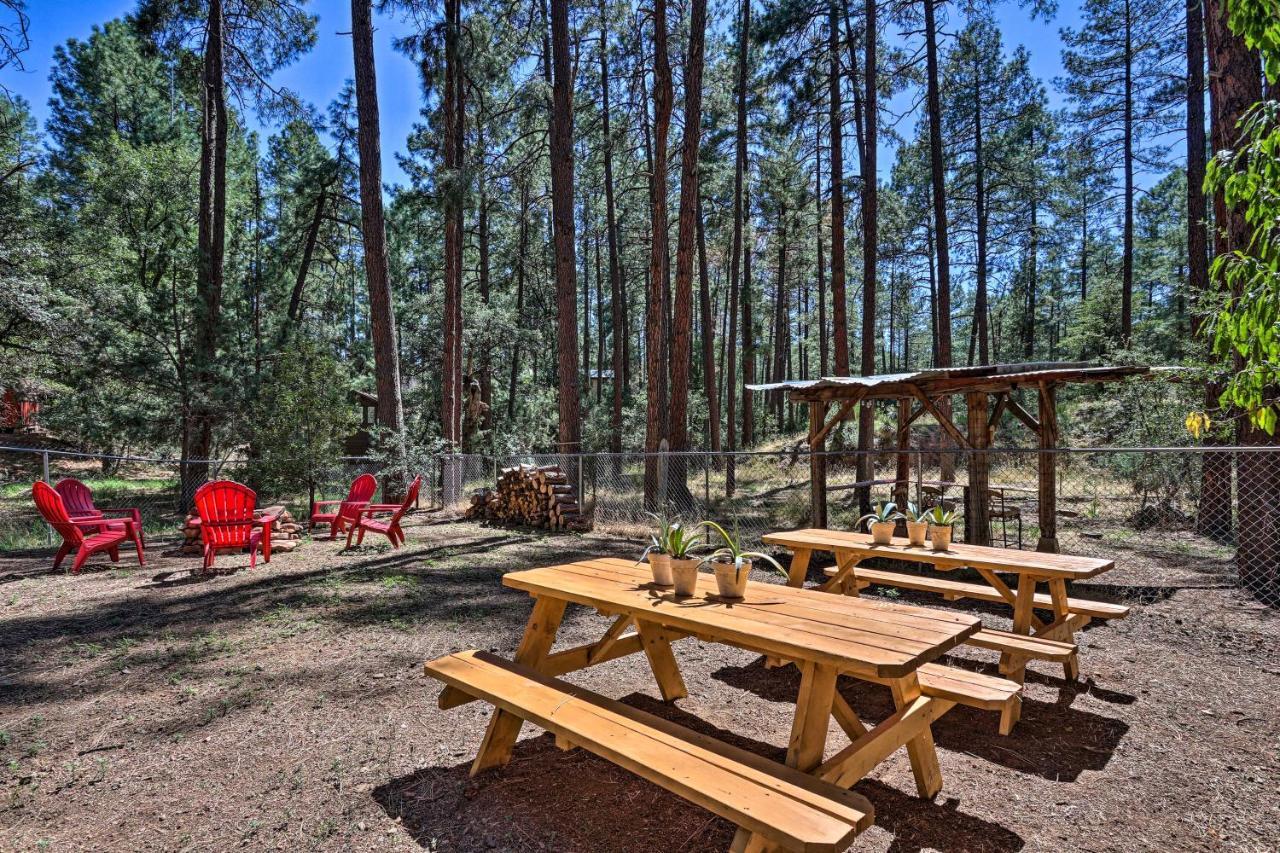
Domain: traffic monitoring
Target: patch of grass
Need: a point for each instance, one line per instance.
(390, 582)
(287, 622)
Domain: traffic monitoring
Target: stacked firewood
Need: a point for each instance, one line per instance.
(285, 533)
(532, 495)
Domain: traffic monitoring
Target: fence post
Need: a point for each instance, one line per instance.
(582, 492)
(706, 483)
(662, 475)
(44, 467)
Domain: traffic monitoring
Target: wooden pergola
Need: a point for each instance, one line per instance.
(988, 394)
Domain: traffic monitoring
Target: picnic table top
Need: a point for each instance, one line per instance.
(857, 635)
(1035, 563)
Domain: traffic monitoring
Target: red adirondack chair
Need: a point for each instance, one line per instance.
(227, 522)
(389, 528)
(85, 536)
(79, 502)
(348, 510)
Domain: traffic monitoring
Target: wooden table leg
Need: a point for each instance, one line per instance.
(846, 562)
(657, 648)
(813, 716)
(920, 749)
(1011, 665)
(504, 728)
(799, 567)
(1058, 592)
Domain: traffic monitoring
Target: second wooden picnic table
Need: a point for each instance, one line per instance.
(1031, 568)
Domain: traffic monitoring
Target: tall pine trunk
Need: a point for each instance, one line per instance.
(1235, 84)
(451, 363)
(570, 428)
(686, 238)
(870, 240)
(839, 302)
(708, 337)
(980, 330)
(655, 318)
(737, 249)
(616, 307)
(941, 235)
(1126, 268)
(211, 242)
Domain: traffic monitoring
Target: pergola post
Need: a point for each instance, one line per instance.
(977, 517)
(901, 488)
(1047, 497)
(817, 465)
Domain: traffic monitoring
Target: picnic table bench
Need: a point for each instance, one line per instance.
(803, 804)
(1031, 637)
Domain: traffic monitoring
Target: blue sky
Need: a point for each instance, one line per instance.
(320, 75)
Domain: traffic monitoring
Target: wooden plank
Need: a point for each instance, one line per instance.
(920, 748)
(943, 421)
(813, 714)
(1015, 408)
(1047, 481)
(960, 554)
(657, 648)
(859, 758)
(783, 805)
(907, 631)
(847, 718)
(504, 727)
(818, 462)
(1034, 647)
(959, 589)
(705, 616)
(772, 594)
(799, 567)
(610, 637)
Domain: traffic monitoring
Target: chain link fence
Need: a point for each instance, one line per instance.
(1169, 517)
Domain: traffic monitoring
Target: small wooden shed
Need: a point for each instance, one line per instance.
(988, 392)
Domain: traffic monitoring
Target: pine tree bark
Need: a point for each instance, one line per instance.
(1213, 515)
(655, 317)
(1126, 268)
(1235, 84)
(839, 301)
(709, 385)
(211, 247)
(570, 427)
(616, 307)
(451, 390)
(870, 240)
(781, 344)
(686, 237)
(981, 332)
(736, 249)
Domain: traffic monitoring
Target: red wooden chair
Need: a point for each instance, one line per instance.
(348, 510)
(79, 502)
(389, 528)
(85, 536)
(227, 522)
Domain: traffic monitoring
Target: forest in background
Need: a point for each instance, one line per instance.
(617, 216)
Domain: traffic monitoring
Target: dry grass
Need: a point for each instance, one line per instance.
(284, 709)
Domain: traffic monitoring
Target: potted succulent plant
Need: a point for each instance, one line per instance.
(917, 525)
(940, 521)
(732, 564)
(673, 554)
(881, 522)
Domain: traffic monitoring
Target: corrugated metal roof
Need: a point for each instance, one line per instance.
(1013, 373)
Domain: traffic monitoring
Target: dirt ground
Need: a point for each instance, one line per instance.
(285, 709)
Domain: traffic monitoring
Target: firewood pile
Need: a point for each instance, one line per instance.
(532, 495)
(285, 533)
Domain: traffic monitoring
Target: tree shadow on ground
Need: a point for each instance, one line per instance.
(577, 801)
(188, 613)
(1052, 740)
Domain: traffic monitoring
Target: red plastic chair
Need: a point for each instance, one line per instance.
(85, 536)
(358, 496)
(389, 528)
(79, 502)
(227, 521)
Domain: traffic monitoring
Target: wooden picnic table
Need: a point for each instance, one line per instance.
(874, 640)
(1032, 568)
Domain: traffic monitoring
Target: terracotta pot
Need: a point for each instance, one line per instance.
(882, 532)
(916, 531)
(731, 579)
(685, 576)
(941, 537)
(660, 565)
